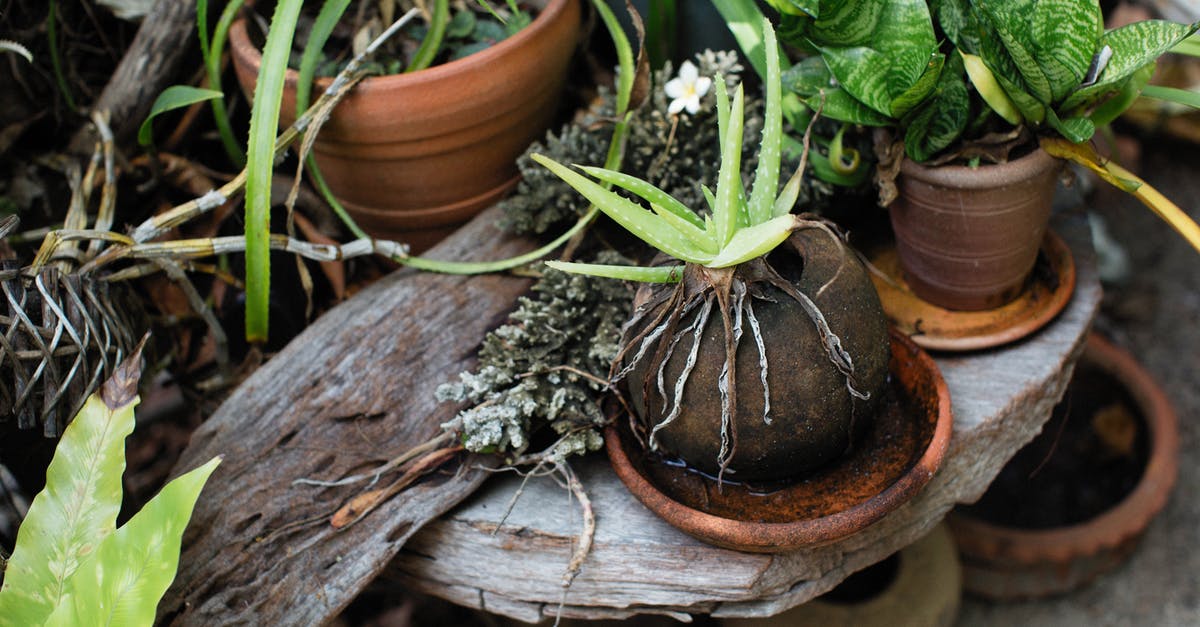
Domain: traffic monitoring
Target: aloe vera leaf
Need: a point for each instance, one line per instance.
(729, 178)
(658, 274)
(766, 176)
(647, 226)
(754, 241)
(647, 191)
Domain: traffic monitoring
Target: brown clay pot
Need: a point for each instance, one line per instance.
(968, 237)
(1005, 562)
(815, 418)
(414, 155)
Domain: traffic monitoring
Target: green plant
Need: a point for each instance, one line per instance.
(71, 564)
(725, 265)
(740, 227)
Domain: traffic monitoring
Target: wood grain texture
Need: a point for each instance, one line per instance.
(639, 564)
(167, 34)
(354, 390)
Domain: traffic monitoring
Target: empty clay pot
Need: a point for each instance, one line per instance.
(1032, 555)
(968, 237)
(814, 418)
(427, 151)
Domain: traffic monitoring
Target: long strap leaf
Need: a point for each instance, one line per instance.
(1125, 180)
(264, 120)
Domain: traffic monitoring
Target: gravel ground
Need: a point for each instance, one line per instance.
(1155, 314)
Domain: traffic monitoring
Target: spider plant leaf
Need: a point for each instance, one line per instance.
(647, 226)
(1134, 46)
(322, 28)
(133, 567)
(729, 177)
(754, 241)
(76, 510)
(766, 175)
(657, 274)
(1173, 94)
(172, 98)
(432, 43)
(646, 191)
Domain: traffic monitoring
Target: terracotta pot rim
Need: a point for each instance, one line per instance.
(1123, 521)
(239, 41)
(776, 537)
(983, 176)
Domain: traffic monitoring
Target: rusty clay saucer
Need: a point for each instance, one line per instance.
(898, 456)
(1046, 294)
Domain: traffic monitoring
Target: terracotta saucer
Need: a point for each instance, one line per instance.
(1046, 293)
(899, 455)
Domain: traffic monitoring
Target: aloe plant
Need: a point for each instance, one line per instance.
(71, 564)
(725, 268)
(739, 228)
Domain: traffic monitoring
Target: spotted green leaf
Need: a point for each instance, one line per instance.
(657, 274)
(754, 241)
(1133, 47)
(942, 118)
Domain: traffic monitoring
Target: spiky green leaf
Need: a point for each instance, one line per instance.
(658, 274)
(646, 191)
(766, 176)
(647, 226)
(754, 241)
(729, 177)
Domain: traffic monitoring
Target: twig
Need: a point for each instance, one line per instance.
(434, 443)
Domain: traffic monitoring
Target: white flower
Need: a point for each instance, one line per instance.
(687, 89)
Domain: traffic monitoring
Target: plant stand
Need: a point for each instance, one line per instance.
(356, 389)
(639, 564)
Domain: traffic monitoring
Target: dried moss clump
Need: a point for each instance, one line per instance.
(529, 371)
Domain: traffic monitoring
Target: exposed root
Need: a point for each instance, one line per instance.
(697, 328)
(762, 360)
(727, 381)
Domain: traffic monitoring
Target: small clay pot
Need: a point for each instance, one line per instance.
(1011, 562)
(968, 237)
(814, 417)
(427, 151)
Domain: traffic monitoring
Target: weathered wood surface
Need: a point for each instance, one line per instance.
(167, 34)
(639, 564)
(354, 390)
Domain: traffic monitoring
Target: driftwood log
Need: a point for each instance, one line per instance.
(638, 564)
(351, 392)
(149, 66)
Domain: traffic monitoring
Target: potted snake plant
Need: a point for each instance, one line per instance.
(979, 101)
(762, 351)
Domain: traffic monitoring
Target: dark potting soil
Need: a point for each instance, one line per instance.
(1089, 456)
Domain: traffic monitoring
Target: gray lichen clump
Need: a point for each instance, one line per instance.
(529, 369)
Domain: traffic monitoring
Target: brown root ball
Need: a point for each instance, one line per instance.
(814, 418)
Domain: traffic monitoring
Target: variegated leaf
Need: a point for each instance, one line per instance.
(1133, 47)
(942, 118)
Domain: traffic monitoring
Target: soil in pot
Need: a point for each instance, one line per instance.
(1089, 456)
(795, 402)
(1074, 503)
